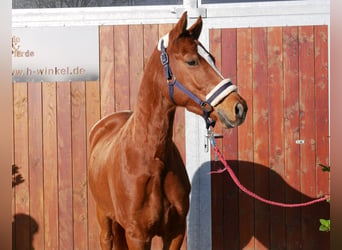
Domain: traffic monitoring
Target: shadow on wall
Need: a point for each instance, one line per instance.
(236, 217)
(24, 227)
(17, 178)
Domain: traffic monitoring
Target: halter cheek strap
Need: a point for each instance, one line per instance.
(221, 90)
(172, 82)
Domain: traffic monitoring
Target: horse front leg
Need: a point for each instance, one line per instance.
(119, 239)
(137, 238)
(173, 244)
(106, 235)
(137, 243)
(174, 240)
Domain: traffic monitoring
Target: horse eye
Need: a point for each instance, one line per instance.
(192, 63)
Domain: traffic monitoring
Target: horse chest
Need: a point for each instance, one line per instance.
(152, 189)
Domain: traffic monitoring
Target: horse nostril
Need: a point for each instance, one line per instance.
(239, 110)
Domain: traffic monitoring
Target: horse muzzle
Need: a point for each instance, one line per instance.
(232, 110)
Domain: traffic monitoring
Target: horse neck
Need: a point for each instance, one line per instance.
(153, 113)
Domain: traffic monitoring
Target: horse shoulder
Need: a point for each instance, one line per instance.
(176, 181)
(108, 125)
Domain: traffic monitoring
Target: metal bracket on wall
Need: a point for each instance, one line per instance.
(300, 141)
(207, 141)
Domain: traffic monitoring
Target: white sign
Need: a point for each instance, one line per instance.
(49, 54)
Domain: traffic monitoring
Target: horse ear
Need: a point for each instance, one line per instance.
(180, 27)
(196, 28)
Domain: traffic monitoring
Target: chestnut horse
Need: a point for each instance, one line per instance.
(136, 174)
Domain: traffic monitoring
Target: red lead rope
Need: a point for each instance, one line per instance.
(250, 193)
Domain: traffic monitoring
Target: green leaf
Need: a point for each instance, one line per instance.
(323, 228)
(325, 222)
(325, 225)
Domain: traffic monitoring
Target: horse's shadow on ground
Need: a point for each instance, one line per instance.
(274, 228)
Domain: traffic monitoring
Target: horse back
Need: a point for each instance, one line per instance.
(108, 125)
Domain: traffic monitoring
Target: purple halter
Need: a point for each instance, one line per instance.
(221, 90)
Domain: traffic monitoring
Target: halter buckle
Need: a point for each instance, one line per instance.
(172, 81)
(206, 107)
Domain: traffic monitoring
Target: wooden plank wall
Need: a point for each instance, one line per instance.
(53, 207)
(283, 74)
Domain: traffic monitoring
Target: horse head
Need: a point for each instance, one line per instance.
(193, 80)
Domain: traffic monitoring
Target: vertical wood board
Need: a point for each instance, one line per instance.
(64, 162)
(50, 165)
(245, 138)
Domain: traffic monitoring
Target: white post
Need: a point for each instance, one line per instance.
(198, 166)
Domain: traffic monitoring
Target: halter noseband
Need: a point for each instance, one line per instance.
(221, 90)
